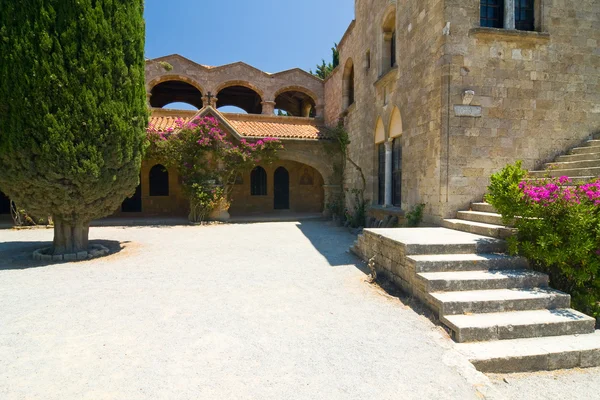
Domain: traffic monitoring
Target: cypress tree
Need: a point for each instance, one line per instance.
(73, 109)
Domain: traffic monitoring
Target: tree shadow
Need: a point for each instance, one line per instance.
(332, 242)
(19, 255)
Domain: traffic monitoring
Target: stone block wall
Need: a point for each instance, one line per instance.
(306, 191)
(538, 93)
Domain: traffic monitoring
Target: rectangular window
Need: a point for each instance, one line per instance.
(492, 13)
(381, 174)
(524, 15)
(397, 172)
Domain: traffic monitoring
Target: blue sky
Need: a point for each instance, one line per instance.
(272, 35)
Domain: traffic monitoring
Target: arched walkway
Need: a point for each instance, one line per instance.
(296, 102)
(174, 91)
(242, 96)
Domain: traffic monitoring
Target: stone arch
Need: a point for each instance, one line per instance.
(297, 101)
(348, 84)
(395, 129)
(321, 166)
(241, 94)
(379, 131)
(167, 89)
(243, 83)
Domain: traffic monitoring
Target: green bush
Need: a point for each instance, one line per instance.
(558, 230)
(415, 216)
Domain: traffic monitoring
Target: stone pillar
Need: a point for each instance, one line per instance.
(148, 96)
(331, 192)
(509, 14)
(388, 173)
(268, 107)
(320, 111)
(212, 102)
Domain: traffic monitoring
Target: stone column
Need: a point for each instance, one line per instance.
(388, 173)
(331, 192)
(268, 107)
(509, 14)
(148, 96)
(212, 102)
(320, 111)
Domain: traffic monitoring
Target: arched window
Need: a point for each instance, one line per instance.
(159, 181)
(348, 85)
(389, 41)
(258, 182)
(397, 172)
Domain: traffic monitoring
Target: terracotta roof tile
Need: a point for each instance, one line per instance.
(255, 126)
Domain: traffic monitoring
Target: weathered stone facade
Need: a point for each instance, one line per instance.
(537, 93)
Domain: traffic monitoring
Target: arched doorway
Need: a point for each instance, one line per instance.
(133, 204)
(4, 204)
(281, 189)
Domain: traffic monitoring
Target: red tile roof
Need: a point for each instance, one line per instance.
(256, 126)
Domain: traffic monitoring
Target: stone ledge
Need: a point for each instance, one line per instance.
(512, 35)
(94, 251)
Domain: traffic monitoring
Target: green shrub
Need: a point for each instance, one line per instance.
(415, 216)
(558, 230)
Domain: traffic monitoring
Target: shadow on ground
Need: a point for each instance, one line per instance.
(19, 255)
(333, 242)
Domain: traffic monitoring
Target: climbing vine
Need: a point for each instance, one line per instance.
(208, 160)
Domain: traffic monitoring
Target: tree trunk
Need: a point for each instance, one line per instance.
(70, 238)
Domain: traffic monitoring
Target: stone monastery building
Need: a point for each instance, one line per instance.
(436, 95)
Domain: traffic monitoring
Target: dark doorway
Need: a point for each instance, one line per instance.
(282, 189)
(134, 203)
(4, 204)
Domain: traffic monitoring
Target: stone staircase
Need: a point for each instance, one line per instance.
(581, 164)
(504, 316)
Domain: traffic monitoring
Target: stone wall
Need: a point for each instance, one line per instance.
(306, 191)
(539, 93)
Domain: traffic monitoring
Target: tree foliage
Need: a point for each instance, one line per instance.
(73, 109)
(325, 69)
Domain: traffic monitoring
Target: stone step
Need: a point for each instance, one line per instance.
(573, 164)
(575, 180)
(479, 228)
(518, 324)
(488, 301)
(436, 241)
(483, 207)
(534, 354)
(592, 143)
(465, 262)
(578, 157)
(479, 216)
(585, 150)
(574, 172)
(456, 281)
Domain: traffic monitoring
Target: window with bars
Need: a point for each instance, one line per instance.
(492, 13)
(258, 182)
(381, 174)
(397, 172)
(525, 15)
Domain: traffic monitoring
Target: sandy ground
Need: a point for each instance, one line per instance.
(256, 311)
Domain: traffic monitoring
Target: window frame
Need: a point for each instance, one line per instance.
(397, 172)
(258, 184)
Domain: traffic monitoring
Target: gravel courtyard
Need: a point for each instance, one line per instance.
(256, 311)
